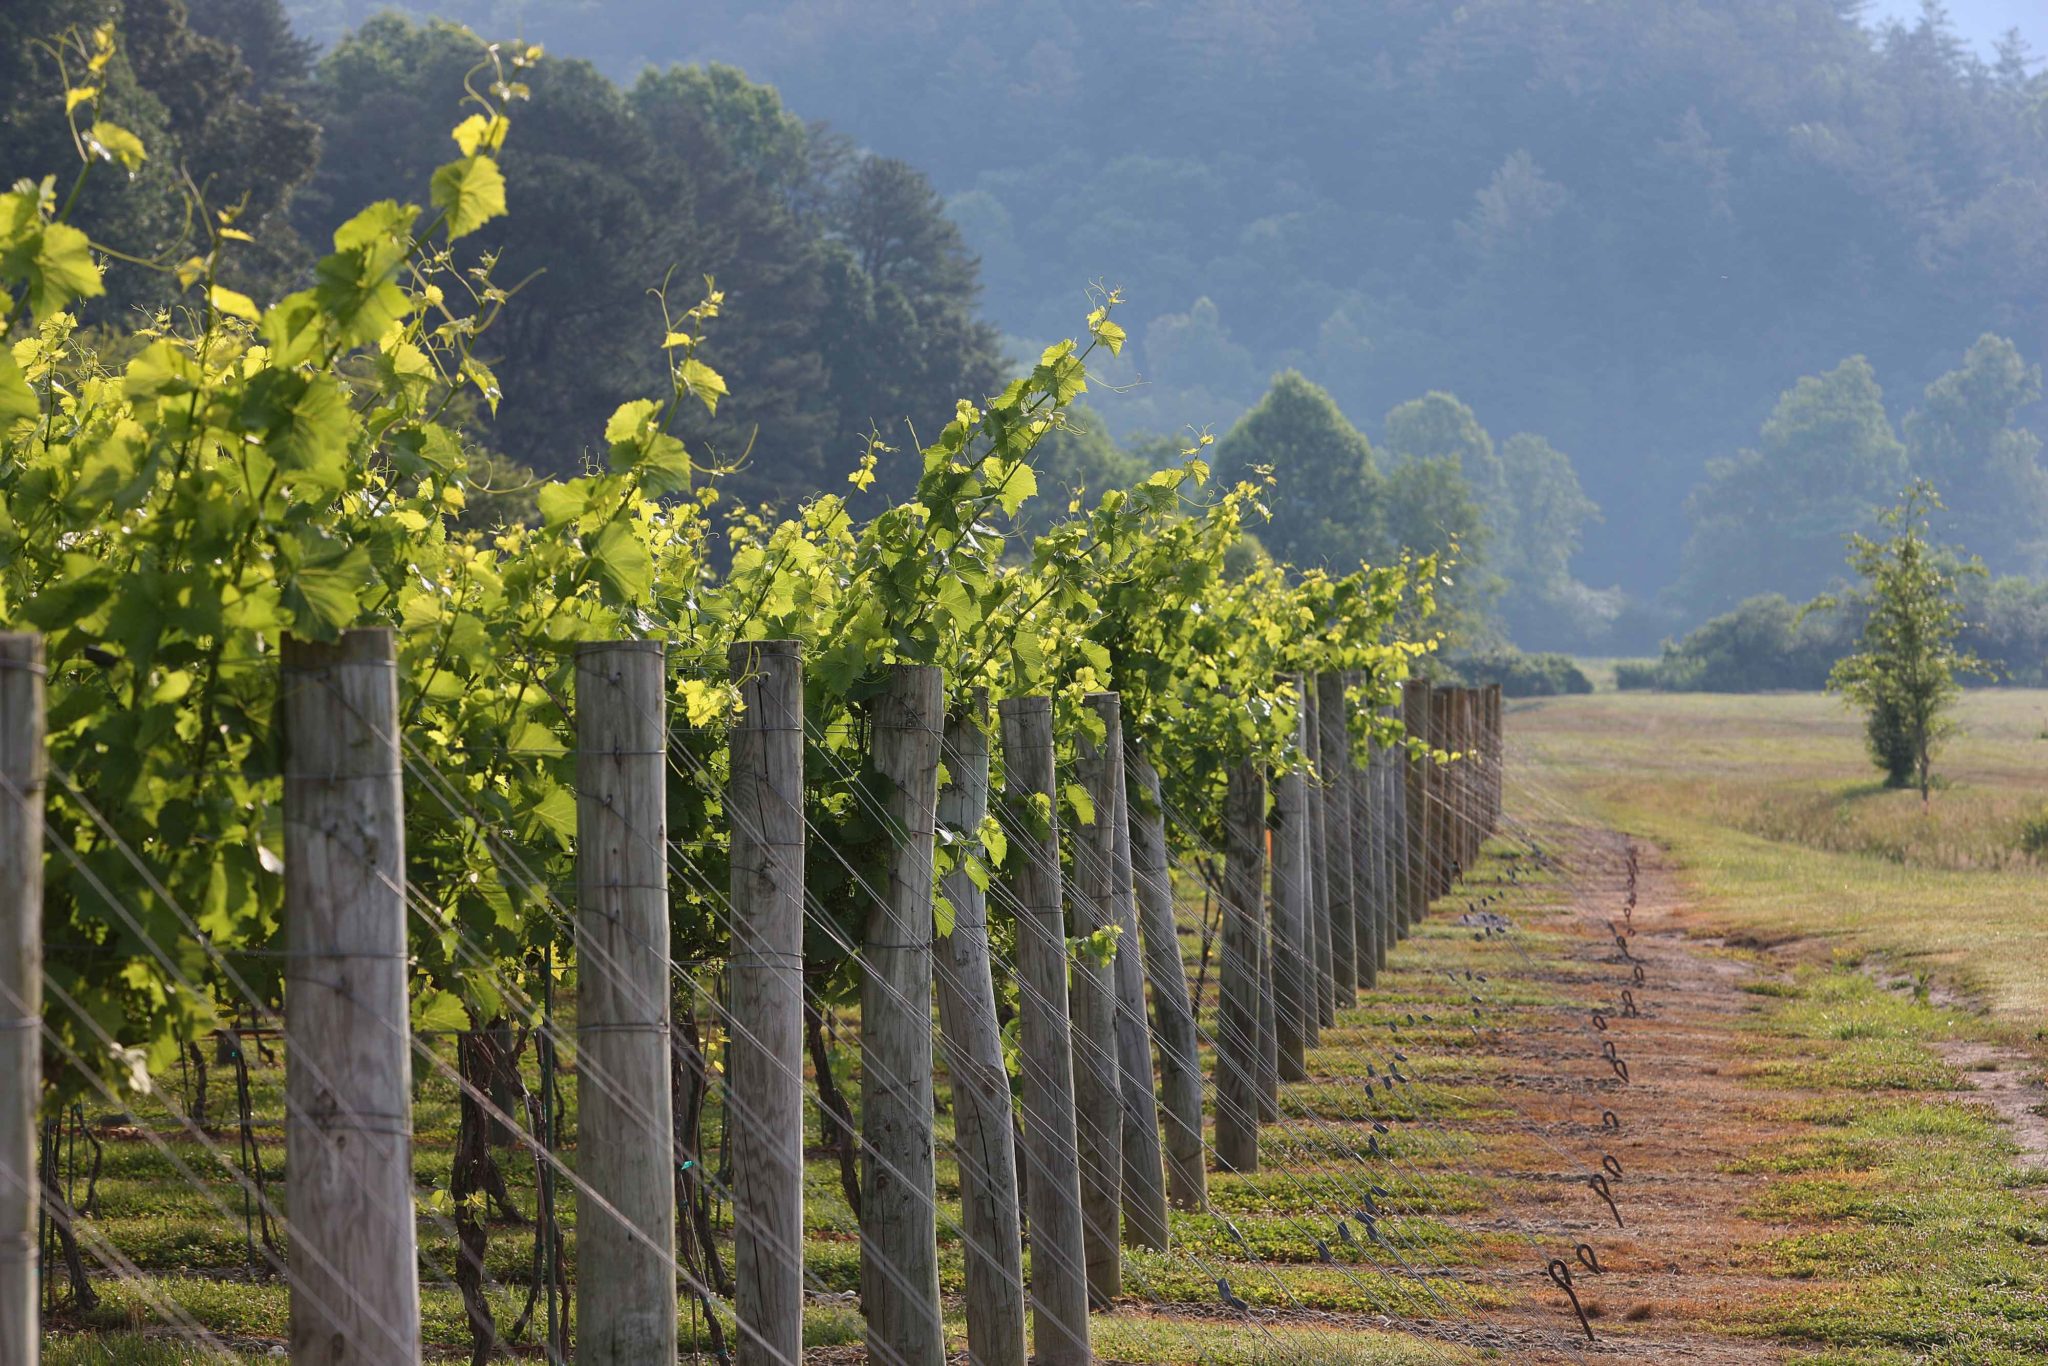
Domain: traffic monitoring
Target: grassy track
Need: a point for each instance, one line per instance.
(1770, 805)
(1896, 1207)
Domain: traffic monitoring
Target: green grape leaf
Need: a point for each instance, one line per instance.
(623, 563)
(17, 400)
(323, 591)
(563, 501)
(115, 143)
(54, 258)
(469, 193)
(305, 424)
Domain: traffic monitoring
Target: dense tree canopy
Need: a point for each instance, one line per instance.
(850, 299)
(1773, 517)
(1624, 226)
(1615, 231)
(201, 111)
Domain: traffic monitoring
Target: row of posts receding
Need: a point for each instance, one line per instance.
(1328, 863)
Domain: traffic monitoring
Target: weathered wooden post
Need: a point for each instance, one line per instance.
(1144, 1179)
(1052, 1166)
(1340, 832)
(1469, 762)
(1391, 849)
(1294, 1008)
(1173, 1016)
(982, 1142)
(1322, 984)
(1237, 1026)
(1269, 1034)
(764, 1052)
(1420, 825)
(348, 1045)
(1364, 828)
(899, 1194)
(1444, 828)
(625, 1239)
(21, 989)
(1461, 777)
(1098, 1101)
(1475, 781)
(1496, 750)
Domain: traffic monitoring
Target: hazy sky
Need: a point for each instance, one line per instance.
(1983, 21)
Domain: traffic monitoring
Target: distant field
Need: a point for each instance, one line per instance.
(1778, 816)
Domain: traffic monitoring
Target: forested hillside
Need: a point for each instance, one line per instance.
(1626, 227)
(1642, 306)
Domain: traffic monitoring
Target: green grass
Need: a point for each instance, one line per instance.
(1769, 805)
(1915, 1235)
(1911, 1235)
(1280, 1248)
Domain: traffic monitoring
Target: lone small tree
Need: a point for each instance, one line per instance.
(1904, 674)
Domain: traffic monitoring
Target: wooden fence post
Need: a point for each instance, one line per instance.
(1420, 826)
(1443, 829)
(1475, 779)
(348, 1043)
(22, 761)
(1392, 852)
(1268, 1035)
(1098, 1101)
(1454, 792)
(1381, 835)
(1294, 966)
(1362, 838)
(1237, 1026)
(899, 1196)
(1340, 834)
(973, 1041)
(1468, 779)
(1052, 1168)
(1173, 1016)
(1144, 1179)
(1496, 752)
(1322, 993)
(764, 1052)
(625, 1237)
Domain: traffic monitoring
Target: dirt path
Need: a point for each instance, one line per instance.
(1685, 1251)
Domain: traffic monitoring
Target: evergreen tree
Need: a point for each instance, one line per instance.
(1325, 496)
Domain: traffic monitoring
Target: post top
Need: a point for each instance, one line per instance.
(21, 647)
(587, 648)
(363, 646)
(747, 649)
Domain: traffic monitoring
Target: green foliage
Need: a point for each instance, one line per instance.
(174, 103)
(2033, 834)
(849, 297)
(1524, 675)
(1765, 644)
(175, 501)
(1625, 225)
(1324, 495)
(1904, 672)
(1965, 439)
(1771, 519)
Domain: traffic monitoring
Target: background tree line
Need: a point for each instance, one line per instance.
(1624, 226)
(851, 301)
(1621, 227)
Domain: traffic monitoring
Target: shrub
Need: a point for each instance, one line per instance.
(2033, 833)
(1524, 675)
(1765, 644)
(1635, 675)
